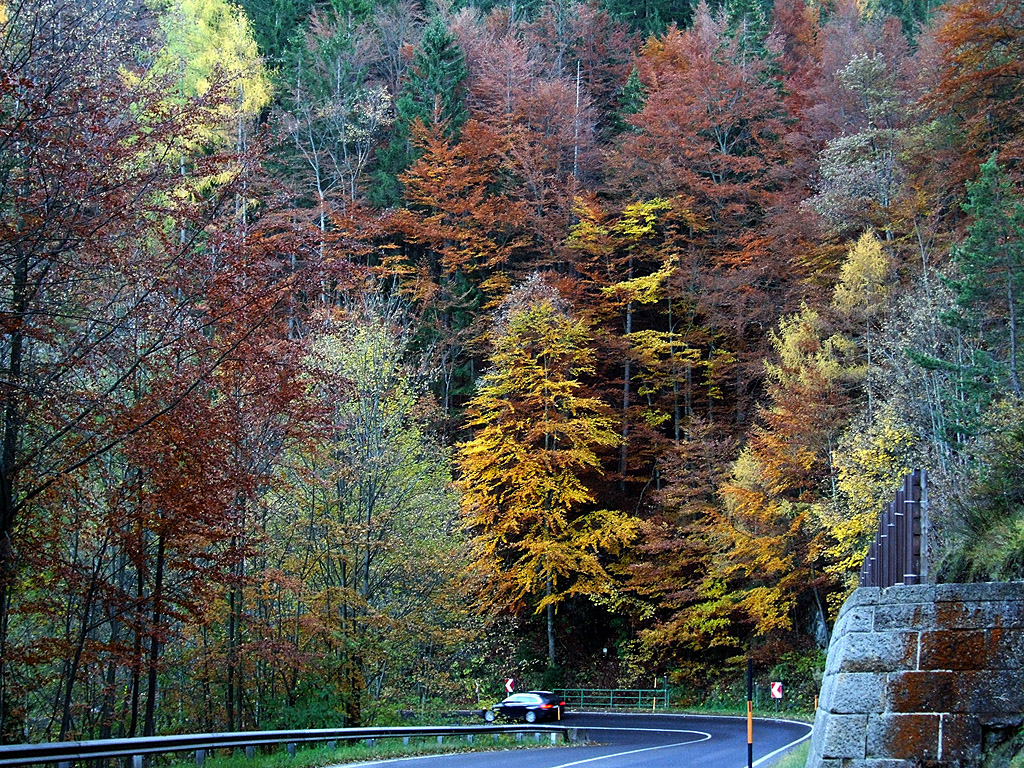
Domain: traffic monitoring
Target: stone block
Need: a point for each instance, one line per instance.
(1005, 614)
(886, 763)
(905, 616)
(956, 649)
(912, 691)
(982, 692)
(912, 593)
(858, 693)
(1007, 648)
(836, 653)
(843, 736)
(818, 733)
(860, 596)
(980, 592)
(903, 737)
(961, 738)
(995, 692)
(825, 693)
(879, 652)
(860, 618)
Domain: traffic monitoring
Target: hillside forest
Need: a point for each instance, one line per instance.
(356, 355)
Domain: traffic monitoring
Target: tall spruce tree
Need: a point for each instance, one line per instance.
(991, 266)
(274, 23)
(913, 14)
(651, 17)
(433, 95)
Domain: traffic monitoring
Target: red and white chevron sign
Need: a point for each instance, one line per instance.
(776, 690)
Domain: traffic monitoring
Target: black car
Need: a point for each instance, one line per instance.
(530, 707)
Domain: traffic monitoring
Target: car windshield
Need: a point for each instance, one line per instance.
(521, 698)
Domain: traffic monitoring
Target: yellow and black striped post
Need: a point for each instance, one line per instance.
(750, 713)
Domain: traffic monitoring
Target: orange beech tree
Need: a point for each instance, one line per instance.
(460, 234)
(982, 79)
(524, 475)
(772, 559)
(709, 132)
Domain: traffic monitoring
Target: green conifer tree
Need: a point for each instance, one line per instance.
(631, 98)
(274, 24)
(991, 266)
(651, 17)
(433, 95)
(912, 13)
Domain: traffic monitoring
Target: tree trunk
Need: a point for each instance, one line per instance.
(229, 693)
(626, 375)
(149, 725)
(80, 640)
(8, 453)
(1012, 322)
(551, 625)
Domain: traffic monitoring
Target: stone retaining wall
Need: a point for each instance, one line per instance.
(923, 675)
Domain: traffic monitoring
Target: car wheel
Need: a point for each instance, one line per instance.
(531, 716)
(488, 716)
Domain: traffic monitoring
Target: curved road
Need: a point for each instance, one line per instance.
(631, 741)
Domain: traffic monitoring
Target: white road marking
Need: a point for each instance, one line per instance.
(704, 737)
(648, 730)
(635, 751)
(770, 755)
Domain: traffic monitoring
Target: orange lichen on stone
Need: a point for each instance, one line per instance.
(903, 737)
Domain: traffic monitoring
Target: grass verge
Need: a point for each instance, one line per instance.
(795, 758)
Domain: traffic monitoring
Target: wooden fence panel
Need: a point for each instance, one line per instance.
(895, 556)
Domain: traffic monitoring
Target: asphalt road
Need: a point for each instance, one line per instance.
(632, 741)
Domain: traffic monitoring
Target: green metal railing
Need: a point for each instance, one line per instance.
(611, 698)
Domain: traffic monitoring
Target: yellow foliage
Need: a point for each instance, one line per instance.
(862, 288)
(647, 289)
(209, 43)
(804, 357)
(871, 464)
(523, 474)
(638, 219)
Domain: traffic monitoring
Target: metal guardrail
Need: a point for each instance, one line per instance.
(897, 556)
(632, 698)
(63, 754)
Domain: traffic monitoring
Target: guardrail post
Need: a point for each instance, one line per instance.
(200, 757)
(469, 738)
(64, 764)
(250, 752)
(332, 744)
(554, 738)
(291, 749)
(136, 761)
(405, 740)
(440, 739)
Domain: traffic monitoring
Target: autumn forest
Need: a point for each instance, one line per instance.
(358, 354)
